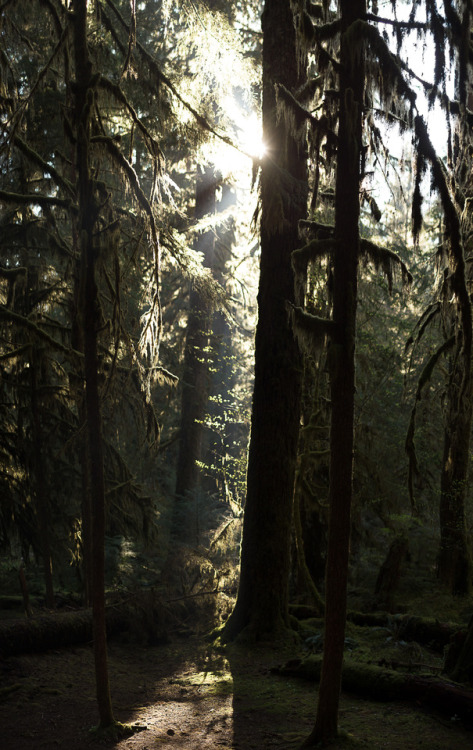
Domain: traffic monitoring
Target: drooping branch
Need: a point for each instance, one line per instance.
(20, 320)
(431, 312)
(48, 168)
(34, 199)
(453, 231)
(127, 169)
(119, 95)
(392, 76)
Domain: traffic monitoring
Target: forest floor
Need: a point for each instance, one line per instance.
(189, 696)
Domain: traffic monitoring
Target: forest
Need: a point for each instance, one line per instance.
(236, 395)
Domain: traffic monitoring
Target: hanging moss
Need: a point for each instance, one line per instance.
(386, 260)
(393, 86)
(311, 331)
(296, 116)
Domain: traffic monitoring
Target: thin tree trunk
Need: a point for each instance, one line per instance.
(76, 384)
(89, 316)
(196, 378)
(261, 607)
(342, 370)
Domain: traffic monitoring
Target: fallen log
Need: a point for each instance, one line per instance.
(44, 632)
(381, 684)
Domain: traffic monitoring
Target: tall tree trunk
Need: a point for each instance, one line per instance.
(342, 368)
(195, 379)
(261, 606)
(89, 311)
(76, 385)
(455, 557)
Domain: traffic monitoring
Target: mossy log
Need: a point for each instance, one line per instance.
(381, 684)
(53, 631)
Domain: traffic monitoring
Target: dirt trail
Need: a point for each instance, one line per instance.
(191, 698)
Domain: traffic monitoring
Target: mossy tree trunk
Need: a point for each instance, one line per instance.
(89, 314)
(261, 606)
(342, 366)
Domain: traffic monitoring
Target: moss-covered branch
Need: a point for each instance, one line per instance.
(316, 229)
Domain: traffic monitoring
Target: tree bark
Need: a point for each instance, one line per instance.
(342, 368)
(261, 607)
